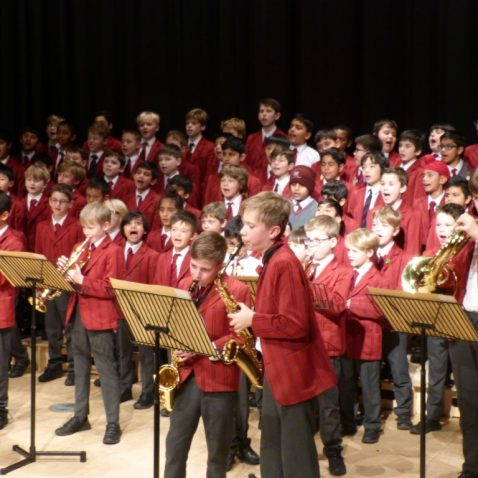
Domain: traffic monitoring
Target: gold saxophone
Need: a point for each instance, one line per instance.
(433, 274)
(169, 373)
(245, 356)
(73, 260)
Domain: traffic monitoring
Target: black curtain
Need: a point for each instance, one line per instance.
(337, 61)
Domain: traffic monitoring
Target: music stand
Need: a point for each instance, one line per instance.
(251, 282)
(162, 316)
(422, 314)
(26, 270)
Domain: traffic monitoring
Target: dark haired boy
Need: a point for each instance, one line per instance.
(303, 205)
(386, 131)
(268, 114)
(55, 237)
(282, 162)
(325, 139)
(366, 143)
(65, 136)
(29, 146)
(10, 240)
(363, 200)
(97, 136)
(130, 147)
(119, 187)
(452, 146)
(144, 199)
(105, 118)
(435, 133)
(16, 217)
(329, 168)
(96, 190)
(139, 263)
(300, 131)
(272, 145)
(183, 186)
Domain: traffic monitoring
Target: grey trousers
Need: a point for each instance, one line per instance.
(101, 345)
(287, 441)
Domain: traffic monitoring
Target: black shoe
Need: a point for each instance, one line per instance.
(51, 372)
(19, 368)
(336, 464)
(371, 436)
(97, 382)
(112, 434)
(231, 460)
(73, 425)
(165, 413)
(430, 426)
(246, 454)
(404, 423)
(125, 396)
(70, 379)
(144, 401)
(3, 418)
(349, 430)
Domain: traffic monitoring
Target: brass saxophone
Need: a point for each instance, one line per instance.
(433, 274)
(169, 373)
(245, 356)
(73, 260)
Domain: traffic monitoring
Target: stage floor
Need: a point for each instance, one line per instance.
(395, 455)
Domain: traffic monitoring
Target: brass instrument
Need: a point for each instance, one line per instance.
(432, 274)
(73, 260)
(169, 373)
(245, 356)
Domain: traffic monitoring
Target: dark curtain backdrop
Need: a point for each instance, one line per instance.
(337, 61)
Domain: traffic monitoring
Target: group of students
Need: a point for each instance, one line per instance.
(319, 227)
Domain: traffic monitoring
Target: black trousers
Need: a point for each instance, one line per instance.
(5, 350)
(217, 411)
(464, 360)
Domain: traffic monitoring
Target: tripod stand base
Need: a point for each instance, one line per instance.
(31, 456)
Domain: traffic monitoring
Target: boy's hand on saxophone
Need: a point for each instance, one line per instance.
(242, 319)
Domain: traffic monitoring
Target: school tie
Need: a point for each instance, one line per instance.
(139, 200)
(25, 160)
(142, 156)
(454, 172)
(276, 187)
(164, 238)
(295, 152)
(33, 203)
(229, 213)
(92, 247)
(92, 166)
(380, 262)
(354, 278)
(297, 207)
(57, 228)
(129, 258)
(431, 210)
(191, 148)
(127, 168)
(110, 186)
(366, 207)
(174, 271)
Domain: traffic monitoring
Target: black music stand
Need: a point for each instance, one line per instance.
(421, 314)
(33, 271)
(162, 316)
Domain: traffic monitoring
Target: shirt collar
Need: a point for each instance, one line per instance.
(134, 247)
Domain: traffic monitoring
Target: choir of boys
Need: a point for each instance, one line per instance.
(365, 213)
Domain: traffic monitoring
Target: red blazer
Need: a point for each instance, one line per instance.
(79, 202)
(415, 187)
(421, 206)
(163, 268)
(119, 240)
(350, 169)
(284, 319)
(17, 217)
(111, 144)
(215, 376)
(392, 266)
(156, 242)
(203, 158)
(19, 171)
(95, 298)
(355, 204)
(32, 217)
(255, 155)
(148, 206)
(191, 171)
(471, 156)
(153, 152)
(9, 241)
(52, 245)
(122, 189)
(364, 320)
(99, 165)
(143, 265)
(269, 186)
(394, 160)
(336, 280)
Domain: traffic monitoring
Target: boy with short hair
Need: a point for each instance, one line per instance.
(144, 199)
(436, 132)
(96, 190)
(363, 200)
(105, 118)
(452, 145)
(97, 135)
(233, 188)
(113, 167)
(93, 316)
(284, 321)
(148, 126)
(268, 114)
(169, 161)
(325, 139)
(282, 162)
(65, 136)
(9, 241)
(300, 131)
(366, 143)
(363, 338)
(303, 205)
(55, 237)
(234, 126)
(118, 211)
(139, 263)
(29, 146)
(329, 168)
(73, 175)
(272, 145)
(130, 147)
(208, 388)
(183, 187)
(16, 217)
(296, 240)
(330, 282)
(344, 143)
(386, 131)
(410, 147)
(214, 217)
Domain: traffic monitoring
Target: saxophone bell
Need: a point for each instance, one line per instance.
(169, 383)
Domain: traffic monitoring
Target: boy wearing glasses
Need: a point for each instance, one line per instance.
(452, 146)
(330, 284)
(55, 237)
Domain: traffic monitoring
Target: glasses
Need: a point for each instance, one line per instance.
(315, 242)
(59, 201)
(448, 147)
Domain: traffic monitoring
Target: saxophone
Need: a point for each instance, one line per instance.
(433, 274)
(245, 356)
(73, 260)
(169, 373)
